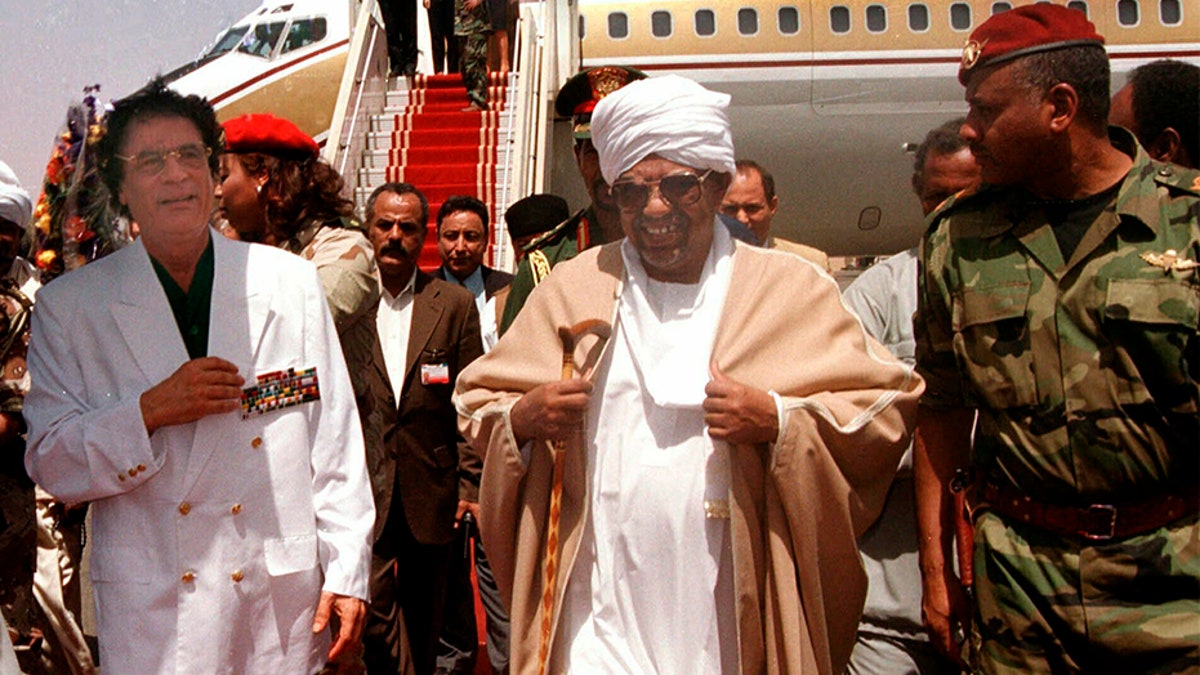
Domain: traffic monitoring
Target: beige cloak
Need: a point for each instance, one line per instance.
(796, 506)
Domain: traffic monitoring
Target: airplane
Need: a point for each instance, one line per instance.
(832, 96)
(286, 58)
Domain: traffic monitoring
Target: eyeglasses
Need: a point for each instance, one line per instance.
(680, 189)
(152, 162)
(751, 209)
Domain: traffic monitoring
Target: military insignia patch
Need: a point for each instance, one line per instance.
(971, 53)
(280, 389)
(1169, 261)
(606, 80)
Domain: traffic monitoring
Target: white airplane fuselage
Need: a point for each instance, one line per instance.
(832, 96)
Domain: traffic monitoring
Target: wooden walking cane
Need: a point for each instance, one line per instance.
(570, 338)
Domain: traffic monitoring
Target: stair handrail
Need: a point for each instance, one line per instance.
(546, 55)
(514, 159)
(360, 95)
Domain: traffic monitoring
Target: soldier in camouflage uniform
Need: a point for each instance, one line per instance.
(1061, 303)
(472, 26)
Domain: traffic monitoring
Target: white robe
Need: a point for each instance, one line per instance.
(652, 590)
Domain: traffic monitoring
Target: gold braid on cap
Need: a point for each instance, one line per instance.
(605, 80)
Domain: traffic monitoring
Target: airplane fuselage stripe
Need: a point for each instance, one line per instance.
(262, 76)
(817, 62)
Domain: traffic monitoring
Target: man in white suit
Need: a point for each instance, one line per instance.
(228, 524)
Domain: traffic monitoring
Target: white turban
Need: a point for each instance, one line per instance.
(672, 117)
(15, 204)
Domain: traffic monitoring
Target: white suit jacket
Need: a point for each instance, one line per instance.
(211, 540)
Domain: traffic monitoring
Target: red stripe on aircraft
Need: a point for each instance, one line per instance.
(892, 61)
(254, 80)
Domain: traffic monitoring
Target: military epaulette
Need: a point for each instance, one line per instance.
(965, 196)
(348, 222)
(555, 234)
(1175, 177)
(549, 236)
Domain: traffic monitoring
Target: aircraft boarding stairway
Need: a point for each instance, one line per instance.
(391, 129)
(424, 137)
(414, 130)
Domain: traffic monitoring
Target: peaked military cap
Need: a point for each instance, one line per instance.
(579, 96)
(1025, 30)
(535, 214)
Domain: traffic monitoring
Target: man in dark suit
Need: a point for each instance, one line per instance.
(400, 28)
(462, 228)
(424, 477)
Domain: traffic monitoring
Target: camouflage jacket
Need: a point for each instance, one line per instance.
(1084, 372)
(471, 21)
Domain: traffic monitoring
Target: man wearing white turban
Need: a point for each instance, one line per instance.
(711, 479)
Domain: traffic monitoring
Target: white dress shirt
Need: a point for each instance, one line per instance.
(394, 323)
(486, 306)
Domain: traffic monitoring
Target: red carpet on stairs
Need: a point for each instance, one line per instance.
(445, 151)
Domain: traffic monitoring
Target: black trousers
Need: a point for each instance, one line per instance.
(441, 31)
(400, 26)
(408, 591)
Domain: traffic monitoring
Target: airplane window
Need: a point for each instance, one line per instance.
(1169, 12)
(839, 19)
(303, 33)
(868, 218)
(876, 18)
(1127, 12)
(618, 25)
(660, 24)
(960, 16)
(706, 23)
(228, 41)
(918, 18)
(747, 21)
(998, 7)
(262, 41)
(1079, 5)
(789, 20)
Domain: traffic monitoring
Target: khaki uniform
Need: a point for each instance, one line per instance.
(1085, 376)
(346, 265)
(816, 255)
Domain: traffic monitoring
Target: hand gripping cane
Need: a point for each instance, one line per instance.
(570, 339)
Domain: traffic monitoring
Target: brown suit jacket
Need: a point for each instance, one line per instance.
(415, 447)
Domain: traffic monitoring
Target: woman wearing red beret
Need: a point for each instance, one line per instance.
(275, 189)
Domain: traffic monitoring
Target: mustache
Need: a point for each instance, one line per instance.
(396, 249)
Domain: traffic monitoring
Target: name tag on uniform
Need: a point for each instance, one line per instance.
(435, 373)
(280, 389)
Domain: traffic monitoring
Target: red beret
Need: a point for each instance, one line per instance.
(1026, 30)
(269, 135)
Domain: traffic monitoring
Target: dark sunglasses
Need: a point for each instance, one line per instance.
(680, 189)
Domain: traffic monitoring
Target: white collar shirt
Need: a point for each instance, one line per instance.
(486, 306)
(393, 320)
